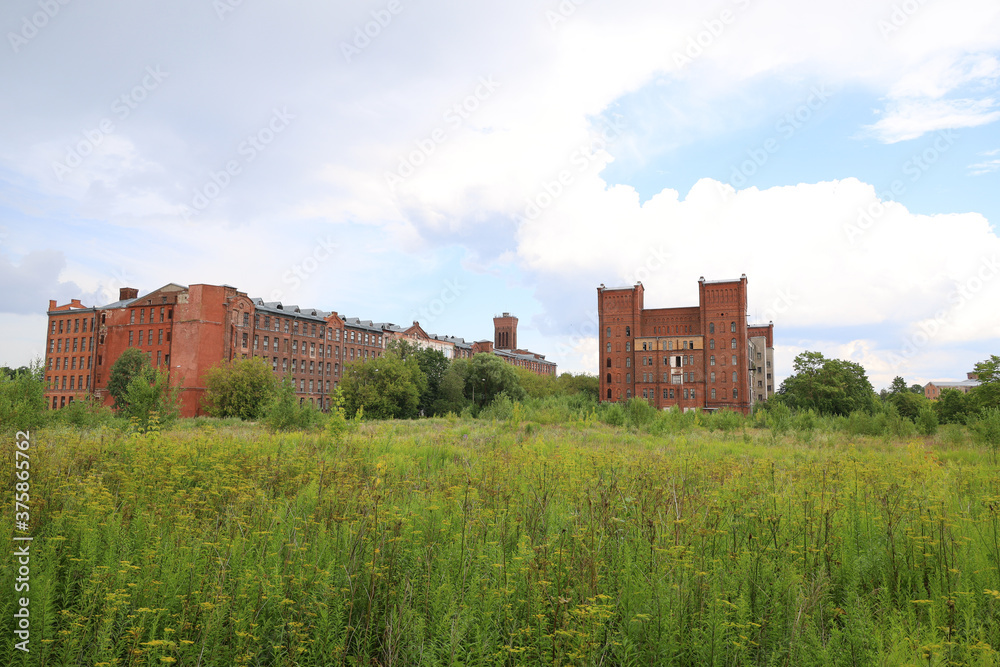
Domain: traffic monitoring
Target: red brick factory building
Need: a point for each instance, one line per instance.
(705, 356)
(187, 330)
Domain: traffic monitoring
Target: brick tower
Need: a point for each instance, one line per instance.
(505, 332)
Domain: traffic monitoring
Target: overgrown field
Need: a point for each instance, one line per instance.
(461, 542)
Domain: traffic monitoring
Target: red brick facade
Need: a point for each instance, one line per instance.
(692, 357)
(187, 330)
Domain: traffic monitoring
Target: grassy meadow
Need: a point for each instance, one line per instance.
(506, 542)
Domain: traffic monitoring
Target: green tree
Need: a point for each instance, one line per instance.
(240, 388)
(149, 393)
(952, 407)
(22, 398)
(286, 412)
(434, 365)
(130, 364)
(987, 394)
(387, 387)
(828, 386)
(451, 391)
(898, 386)
(487, 376)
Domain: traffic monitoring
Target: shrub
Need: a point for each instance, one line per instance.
(287, 413)
(22, 399)
(985, 428)
(927, 421)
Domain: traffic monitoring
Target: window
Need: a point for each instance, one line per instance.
(645, 394)
(609, 394)
(609, 346)
(713, 378)
(159, 338)
(628, 378)
(685, 345)
(158, 357)
(670, 345)
(130, 338)
(142, 315)
(274, 363)
(609, 336)
(628, 347)
(693, 395)
(732, 344)
(671, 393)
(131, 319)
(734, 376)
(711, 360)
(713, 394)
(295, 365)
(758, 355)
(246, 317)
(265, 344)
(609, 378)
(628, 393)
(711, 327)
(711, 344)
(735, 393)
(734, 360)
(628, 331)
(732, 327)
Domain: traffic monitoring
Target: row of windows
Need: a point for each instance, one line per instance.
(297, 367)
(76, 323)
(85, 344)
(68, 363)
(75, 382)
(168, 312)
(722, 325)
(148, 339)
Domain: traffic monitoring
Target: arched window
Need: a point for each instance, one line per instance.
(609, 394)
(628, 378)
(734, 376)
(735, 394)
(711, 344)
(609, 382)
(628, 347)
(713, 380)
(628, 393)
(732, 327)
(628, 330)
(711, 327)
(713, 393)
(628, 362)
(609, 346)
(609, 364)
(732, 344)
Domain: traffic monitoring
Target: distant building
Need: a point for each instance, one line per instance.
(932, 390)
(703, 356)
(187, 330)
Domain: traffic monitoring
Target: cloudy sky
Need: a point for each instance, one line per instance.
(404, 160)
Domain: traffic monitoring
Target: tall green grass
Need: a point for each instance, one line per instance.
(683, 539)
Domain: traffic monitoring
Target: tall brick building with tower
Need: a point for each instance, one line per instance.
(705, 356)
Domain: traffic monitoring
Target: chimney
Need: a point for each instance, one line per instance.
(52, 304)
(127, 293)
